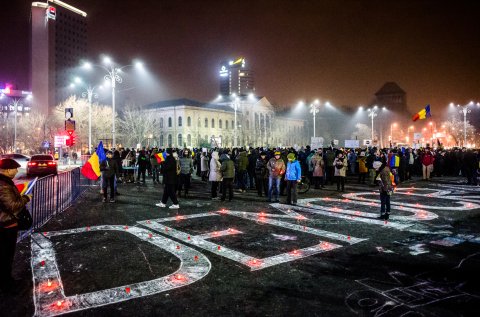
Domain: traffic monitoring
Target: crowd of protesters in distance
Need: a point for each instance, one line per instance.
(274, 172)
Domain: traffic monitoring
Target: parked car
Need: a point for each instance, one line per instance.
(19, 158)
(42, 164)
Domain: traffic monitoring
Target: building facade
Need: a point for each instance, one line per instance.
(236, 78)
(58, 43)
(189, 123)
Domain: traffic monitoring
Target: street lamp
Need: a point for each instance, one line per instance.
(89, 92)
(113, 76)
(465, 110)
(15, 102)
(314, 108)
(235, 106)
(391, 131)
(373, 113)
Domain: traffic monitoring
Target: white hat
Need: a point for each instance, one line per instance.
(362, 153)
(377, 164)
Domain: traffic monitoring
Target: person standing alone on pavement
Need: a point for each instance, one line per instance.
(386, 188)
(11, 203)
(170, 181)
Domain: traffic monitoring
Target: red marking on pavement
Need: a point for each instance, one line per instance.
(178, 247)
(295, 252)
(218, 248)
(166, 229)
(150, 235)
(179, 217)
(188, 238)
(179, 277)
(348, 238)
(45, 233)
(149, 222)
(42, 263)
(255, 262)
(127, 290)
(59, 303)
(126, 227)
(195, 257)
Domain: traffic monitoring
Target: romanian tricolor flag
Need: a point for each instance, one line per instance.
(91, 169)
(161, 157)
(23, 187)
(422, 114)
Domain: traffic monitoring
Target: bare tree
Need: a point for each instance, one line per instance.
(136, 126)
(454, 127)
(362, 132)
(31, 131)
(101, 120)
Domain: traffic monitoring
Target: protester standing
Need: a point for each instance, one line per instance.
(11, 203)
(293, 176)
(276, 169)
(170, 181)
(215, 176)
(109, 169)
(340, 164)
(228, 173)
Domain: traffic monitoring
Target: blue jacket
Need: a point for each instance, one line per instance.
(294, 172)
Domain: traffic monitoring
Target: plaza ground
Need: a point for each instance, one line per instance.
(423, 262)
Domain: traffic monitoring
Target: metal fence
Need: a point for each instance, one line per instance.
(52, 195)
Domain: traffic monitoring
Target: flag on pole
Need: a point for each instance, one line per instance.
(422, 114)
(161, 157)
(26, 187)
(91, 169)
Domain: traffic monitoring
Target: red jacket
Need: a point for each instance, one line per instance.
(428, 158)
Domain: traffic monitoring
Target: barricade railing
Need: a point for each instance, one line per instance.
(52, 195)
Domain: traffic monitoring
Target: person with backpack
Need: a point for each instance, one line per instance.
(385, 187)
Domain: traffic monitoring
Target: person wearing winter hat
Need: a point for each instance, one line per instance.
(170, 181)
(11, 202)
(385, 186)
(276, 168)
(261, 174)
(340, 164)
(292, 176)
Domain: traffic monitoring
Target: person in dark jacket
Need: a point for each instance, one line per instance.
(110, 170)
(170, 181)
(261, 174)
(142, 163)
(11, 203)
(228, 173)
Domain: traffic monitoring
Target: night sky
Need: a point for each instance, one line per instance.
(340, 51)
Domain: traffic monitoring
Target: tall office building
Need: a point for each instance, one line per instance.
(58, 43)
(236, 78)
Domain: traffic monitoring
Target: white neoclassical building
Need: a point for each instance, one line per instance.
(190, 123)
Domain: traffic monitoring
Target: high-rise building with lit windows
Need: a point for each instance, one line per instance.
(236, 78)
(58, 43)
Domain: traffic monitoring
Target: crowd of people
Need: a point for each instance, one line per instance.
(272, 173)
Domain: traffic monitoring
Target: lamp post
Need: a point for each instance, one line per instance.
(235, 106)
(391, 131)
(314, 108)
(113, 76)
(372, 113)
(465, 110)
(89, 93)
(15, 103)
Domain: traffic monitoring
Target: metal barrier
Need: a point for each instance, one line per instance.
(52, 195)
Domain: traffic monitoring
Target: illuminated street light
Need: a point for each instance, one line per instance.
(89, 92)
(15, 103)
(112, 76)
(314, 108)
(465, 110)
